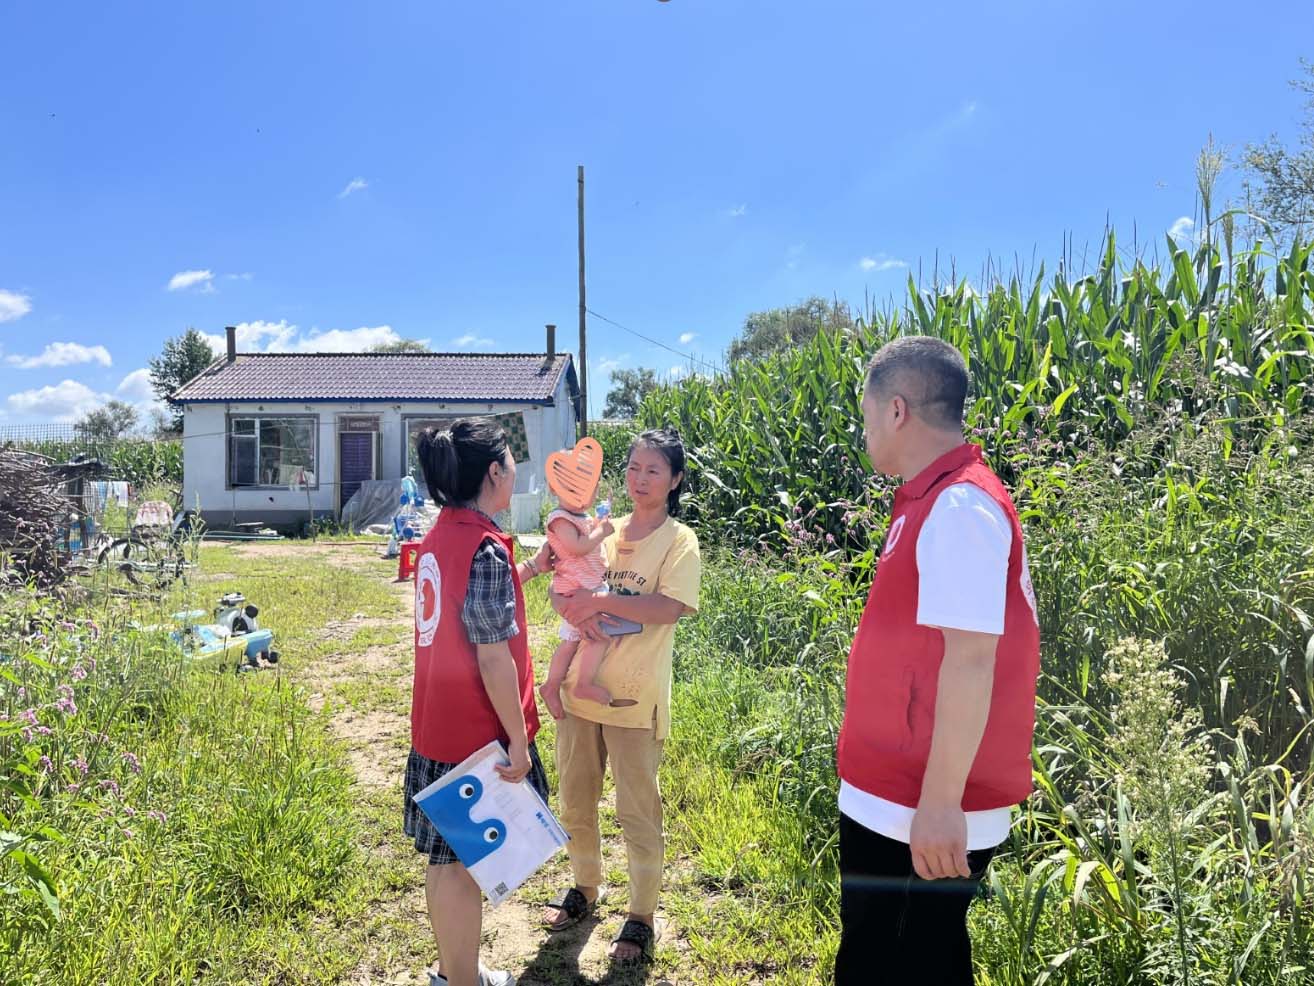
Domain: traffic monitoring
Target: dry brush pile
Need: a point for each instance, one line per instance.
(35, 508)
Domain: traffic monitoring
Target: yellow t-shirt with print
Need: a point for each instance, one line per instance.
(638, 665)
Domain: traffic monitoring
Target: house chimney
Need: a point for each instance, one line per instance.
(231, 331)
(552, 341)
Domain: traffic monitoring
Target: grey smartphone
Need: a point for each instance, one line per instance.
(614, 626)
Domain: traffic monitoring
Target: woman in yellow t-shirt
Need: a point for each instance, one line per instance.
(653, 572)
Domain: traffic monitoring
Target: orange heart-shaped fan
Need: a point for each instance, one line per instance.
(573, 476)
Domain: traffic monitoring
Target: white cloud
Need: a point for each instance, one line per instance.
(13, 305)
(736, 211)
(880, 262)
(136, 387)
(355, 185)
(346, 340)
(472, 341)
(65, 401)
(610, 364)
(284, 337)
(185, 279)
(1183, 229)
(62, 354)
(687, 337)
(257, 337)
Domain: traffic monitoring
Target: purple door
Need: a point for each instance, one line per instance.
(355, 462)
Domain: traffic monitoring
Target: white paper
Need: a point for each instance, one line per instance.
(500, 832)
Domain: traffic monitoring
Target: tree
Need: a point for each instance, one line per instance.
(1282, 179)
(163, 425)
(628, 389)
(777, 329)
(108, 423)
(401, 346)
(180, 360)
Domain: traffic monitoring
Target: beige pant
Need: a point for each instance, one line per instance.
(582, 751)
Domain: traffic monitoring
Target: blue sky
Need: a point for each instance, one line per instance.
(328, 175)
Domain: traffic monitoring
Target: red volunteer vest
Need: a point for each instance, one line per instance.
(894, 665)
(451, 715)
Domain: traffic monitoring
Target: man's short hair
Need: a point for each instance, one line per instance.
(928, 373)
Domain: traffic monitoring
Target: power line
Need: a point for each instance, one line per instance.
(660, 345)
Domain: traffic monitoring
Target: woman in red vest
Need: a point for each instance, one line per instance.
(474, 681)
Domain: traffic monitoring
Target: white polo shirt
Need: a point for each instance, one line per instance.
(962, 581)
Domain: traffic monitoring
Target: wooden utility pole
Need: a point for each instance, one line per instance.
(583, 313)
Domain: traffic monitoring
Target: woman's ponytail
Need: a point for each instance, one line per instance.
(454, 461)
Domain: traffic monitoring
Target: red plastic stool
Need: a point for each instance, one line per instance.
(406, 555)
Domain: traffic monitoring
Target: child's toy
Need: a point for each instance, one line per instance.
(406, 557)
(576, 542)
(234, 634)
(233, 614)
(408, 521)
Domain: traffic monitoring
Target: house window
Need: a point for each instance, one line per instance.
(266, 451)
(411, 465)
(512, 423)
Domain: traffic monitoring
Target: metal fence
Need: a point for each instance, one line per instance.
(136, 460)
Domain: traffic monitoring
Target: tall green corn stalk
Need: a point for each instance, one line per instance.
(1084, 358)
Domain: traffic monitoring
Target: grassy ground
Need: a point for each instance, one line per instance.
(231, 849)
(282, 860)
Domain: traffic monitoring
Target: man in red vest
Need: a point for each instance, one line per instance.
(935, 748)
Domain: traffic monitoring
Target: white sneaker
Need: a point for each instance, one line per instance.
(487, 977)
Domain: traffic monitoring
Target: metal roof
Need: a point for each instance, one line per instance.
(513, 377)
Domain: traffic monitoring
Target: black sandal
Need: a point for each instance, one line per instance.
(576, 907)
(637, 933)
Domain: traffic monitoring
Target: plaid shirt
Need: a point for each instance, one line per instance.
(489, 613)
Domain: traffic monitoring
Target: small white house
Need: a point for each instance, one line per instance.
(276, 438)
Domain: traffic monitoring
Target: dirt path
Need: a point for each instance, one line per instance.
(366, 696)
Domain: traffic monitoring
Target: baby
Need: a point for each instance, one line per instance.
(576, 543)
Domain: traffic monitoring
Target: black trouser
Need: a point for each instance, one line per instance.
(896, 927)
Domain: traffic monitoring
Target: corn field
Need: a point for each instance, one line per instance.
(1080, 360)
(142, 463)
(1155, 425)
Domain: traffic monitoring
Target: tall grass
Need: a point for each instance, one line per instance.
(163, 819)
(1156, 848)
